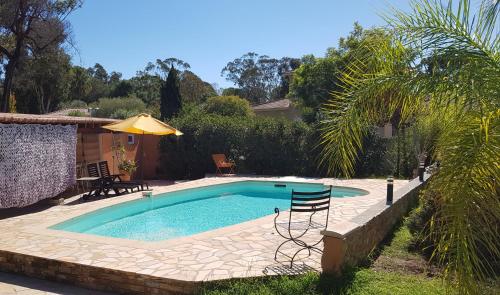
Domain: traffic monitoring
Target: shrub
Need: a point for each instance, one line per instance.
(73, 104)
(426, 237)
(120, 107)
(265, 146)
(76, 113)
(375, 159)
(419, 222)
(386, 156)
(228, 106)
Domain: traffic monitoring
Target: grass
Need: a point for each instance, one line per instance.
(359, 282)
(394, 270)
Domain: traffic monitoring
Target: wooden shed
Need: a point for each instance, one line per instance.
(95, 143)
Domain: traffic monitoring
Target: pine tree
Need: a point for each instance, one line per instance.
(170, 96)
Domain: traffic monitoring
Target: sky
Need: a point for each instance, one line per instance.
(124, 35)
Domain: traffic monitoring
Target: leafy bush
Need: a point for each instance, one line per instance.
(76, 113)
(419, 222)
(426, 226)
(228, 106)
(120, 107)
(387, 156)
(73, 104)
(375, 159)
(264, 146)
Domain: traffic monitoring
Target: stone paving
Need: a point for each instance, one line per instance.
(242, 250)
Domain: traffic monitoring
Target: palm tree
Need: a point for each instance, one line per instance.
(442, 64)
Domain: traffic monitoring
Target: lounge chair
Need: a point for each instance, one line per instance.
(221, 162)
(104, 184)
(104, 170)
(303, 203)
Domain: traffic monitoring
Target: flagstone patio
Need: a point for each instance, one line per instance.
(179, 265)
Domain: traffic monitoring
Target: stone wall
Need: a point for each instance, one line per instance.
(351, 242)
(92, 277)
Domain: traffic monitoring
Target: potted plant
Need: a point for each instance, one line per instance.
(127, 168)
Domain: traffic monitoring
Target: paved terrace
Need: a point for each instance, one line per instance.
(236, 251)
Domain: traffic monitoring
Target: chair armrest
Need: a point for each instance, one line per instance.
(277, 211)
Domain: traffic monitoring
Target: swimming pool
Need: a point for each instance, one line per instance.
(191, 211)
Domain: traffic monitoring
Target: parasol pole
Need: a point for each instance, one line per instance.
(142, 156)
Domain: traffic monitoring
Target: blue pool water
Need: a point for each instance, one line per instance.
(191, 211)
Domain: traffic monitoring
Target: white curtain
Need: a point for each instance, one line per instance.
(36, 162)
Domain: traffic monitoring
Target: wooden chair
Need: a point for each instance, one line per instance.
(221, 162)
(303, 203)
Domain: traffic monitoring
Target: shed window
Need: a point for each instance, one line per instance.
(130, 139)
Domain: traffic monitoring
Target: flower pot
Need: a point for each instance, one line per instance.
(125, 176)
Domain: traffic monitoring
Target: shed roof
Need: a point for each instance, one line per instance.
(52, 119)
(281, 104)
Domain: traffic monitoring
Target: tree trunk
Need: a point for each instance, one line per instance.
(7, 85)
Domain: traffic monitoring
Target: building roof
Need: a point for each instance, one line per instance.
(282, 104)
(53, 119)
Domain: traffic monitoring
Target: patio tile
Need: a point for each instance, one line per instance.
(242, 250)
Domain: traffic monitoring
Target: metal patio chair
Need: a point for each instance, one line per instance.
(305, 204)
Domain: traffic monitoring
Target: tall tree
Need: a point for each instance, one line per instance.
(27, 26)
(462, 100)
(315, 79)
(121, 89)
(165, 65)
(99, 73)
(161, 68)
(79, 84)
(170, 96)
(260, 77)
(43, 82)
(286, 68)
(147, 87)
(194, 89)
(114, 77)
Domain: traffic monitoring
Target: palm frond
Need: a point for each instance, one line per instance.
(454, 74)
(370, 94)
(467, 226)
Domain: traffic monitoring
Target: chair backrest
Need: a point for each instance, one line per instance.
(104, 169)
(219, 158)
(311, 201)
(93, 170)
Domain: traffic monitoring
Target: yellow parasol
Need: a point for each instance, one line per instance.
(142, 124)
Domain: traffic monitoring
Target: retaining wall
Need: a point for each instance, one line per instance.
(350, 242)
(97, 278)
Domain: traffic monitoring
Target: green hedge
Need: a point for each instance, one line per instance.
(263, 146)
(268, 146)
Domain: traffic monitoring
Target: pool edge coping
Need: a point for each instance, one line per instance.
(44, 228)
